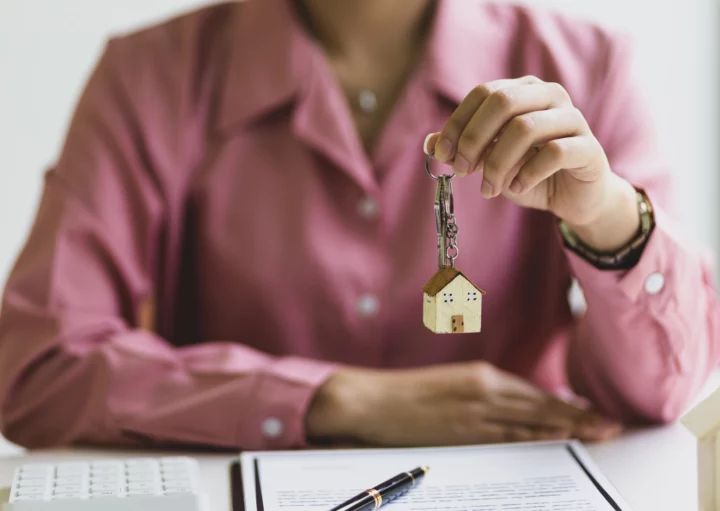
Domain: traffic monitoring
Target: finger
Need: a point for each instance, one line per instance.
(526, 413)
(498, 109)
(520, 135)
(497, 433)
(561, 153)
(512, 388)
(594, 427)
(507, 385)
(598, 433)
(487, 383)
(447, 143)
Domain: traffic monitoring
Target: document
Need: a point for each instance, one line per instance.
(543, 476)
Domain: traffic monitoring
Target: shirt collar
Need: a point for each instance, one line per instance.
(271, 55)
(268, 60)
(468, 46)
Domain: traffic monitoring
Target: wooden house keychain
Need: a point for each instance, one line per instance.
(451, 302)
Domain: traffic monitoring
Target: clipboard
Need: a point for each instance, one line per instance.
(603, 486)
(237, 497)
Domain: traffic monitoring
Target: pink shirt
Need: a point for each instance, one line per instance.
(212, 167)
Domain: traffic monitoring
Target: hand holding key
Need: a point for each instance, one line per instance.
(536, 149)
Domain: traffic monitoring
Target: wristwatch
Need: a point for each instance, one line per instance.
(627, 256)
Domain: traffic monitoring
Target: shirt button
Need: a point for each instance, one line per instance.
(368, 305)
(369, 207)
(272, 427)
(654, 283)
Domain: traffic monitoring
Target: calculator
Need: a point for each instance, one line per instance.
(144, 484)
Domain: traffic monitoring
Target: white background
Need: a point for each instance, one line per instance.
(47, 47)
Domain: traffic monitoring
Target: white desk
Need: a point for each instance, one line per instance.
(653, 469)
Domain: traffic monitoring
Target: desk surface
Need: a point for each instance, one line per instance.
(654, 469)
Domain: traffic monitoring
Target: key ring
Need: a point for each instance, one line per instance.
(427, 167)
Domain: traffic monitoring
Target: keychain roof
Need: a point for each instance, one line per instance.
(442, 278)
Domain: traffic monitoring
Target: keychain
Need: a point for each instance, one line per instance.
(451, 303)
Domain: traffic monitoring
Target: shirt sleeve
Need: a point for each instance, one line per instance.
(649, 337)
(76, 364)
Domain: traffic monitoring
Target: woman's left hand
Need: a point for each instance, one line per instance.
(536, 149)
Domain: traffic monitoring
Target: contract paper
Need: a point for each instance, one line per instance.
(545, 476)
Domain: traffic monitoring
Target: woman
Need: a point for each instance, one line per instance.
(231, 248)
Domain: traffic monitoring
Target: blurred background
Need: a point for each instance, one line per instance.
(48, 47)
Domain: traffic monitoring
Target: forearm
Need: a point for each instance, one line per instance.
(649, 337)
(130, 387)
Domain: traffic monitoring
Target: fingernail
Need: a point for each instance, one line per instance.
(595, 419)
(443, 150)
(486, 189)
(558, 435)
(425, 144)
(602, 432)
(461, 166)
(516, 187)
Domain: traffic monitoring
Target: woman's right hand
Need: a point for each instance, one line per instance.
(454, 404)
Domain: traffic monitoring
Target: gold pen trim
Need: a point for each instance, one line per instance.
(411, 477)
(376, 496)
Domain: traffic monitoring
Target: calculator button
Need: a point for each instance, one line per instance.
(34, 474)
(180, 481)
(67, 471)
(105, 471)
(141, 469)
(24, 483)
(102, 464)
(36, 490)
(141, 463)
(61, 481)
(110, 467)
(177, 474)
(141, 478)
(183, 489)
(174, 461)
(174, 476)
(103, 494)
(29, 497)
(137, 493)
(141, 486)
(67, 496)
(177, 484)
(36, 466)
(68, 488)
(104, 486)
(104, 479)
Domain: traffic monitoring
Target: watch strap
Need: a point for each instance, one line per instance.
(627, 256)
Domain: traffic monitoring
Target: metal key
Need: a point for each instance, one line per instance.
(444, 219)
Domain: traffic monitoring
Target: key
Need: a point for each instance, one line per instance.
(450, 300)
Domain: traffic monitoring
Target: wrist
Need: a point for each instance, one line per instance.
(617, 222)
(338, 406)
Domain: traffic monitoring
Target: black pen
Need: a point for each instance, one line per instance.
(383, 492)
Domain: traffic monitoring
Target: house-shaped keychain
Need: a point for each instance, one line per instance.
(451, 303)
